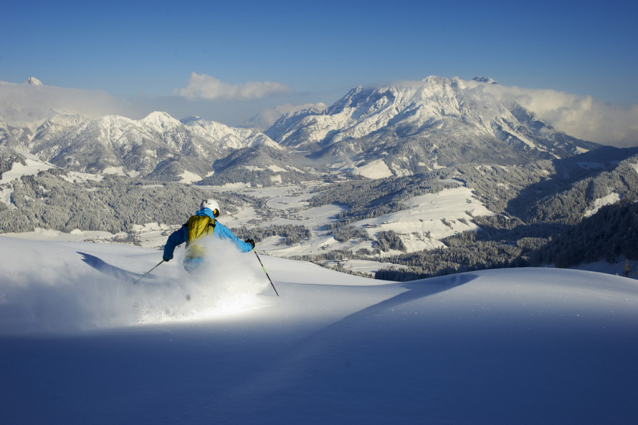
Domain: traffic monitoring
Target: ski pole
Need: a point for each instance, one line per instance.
(262, 266)
(146, 274)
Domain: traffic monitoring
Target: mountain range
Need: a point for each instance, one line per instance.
(417, 127)
(157, 147)
(397, 130)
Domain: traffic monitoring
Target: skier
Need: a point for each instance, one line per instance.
(204, 223)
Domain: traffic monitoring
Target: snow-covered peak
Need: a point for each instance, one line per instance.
(449, 110)
(161, 119)
(364, 110)
(32, 81)
(157, 145)
(228, 137)
(485, 80)
(434, 80)
(62, 121)
(189, 120)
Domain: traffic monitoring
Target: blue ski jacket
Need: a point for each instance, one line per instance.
(179, 236)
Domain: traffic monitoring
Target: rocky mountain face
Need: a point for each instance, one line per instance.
(417, 127)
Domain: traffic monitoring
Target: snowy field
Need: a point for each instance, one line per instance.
(80, 343)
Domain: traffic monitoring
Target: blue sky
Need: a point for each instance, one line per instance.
(318, 50)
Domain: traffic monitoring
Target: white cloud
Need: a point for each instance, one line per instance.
(22, 103)
(579, 116)
(202, 86)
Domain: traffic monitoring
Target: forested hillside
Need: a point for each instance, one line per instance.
(114, 204)
(558, 219)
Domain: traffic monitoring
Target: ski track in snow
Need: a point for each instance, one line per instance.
(525, 346)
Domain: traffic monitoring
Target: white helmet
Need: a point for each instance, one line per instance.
(212, 205)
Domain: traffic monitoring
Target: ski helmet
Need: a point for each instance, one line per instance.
(212, 205)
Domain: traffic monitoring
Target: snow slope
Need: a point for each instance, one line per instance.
(524, 346)
(34, 166)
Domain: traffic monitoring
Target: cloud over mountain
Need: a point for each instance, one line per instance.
(34, 102)
(580, 116)
(202, 86)
(413, 127)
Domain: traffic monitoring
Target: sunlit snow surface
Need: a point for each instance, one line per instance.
(81, 286)
(80, 343)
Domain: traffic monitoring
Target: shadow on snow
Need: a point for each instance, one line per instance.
(109, 270)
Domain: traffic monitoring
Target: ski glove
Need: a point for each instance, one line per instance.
(250, 241)
(167, 259)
